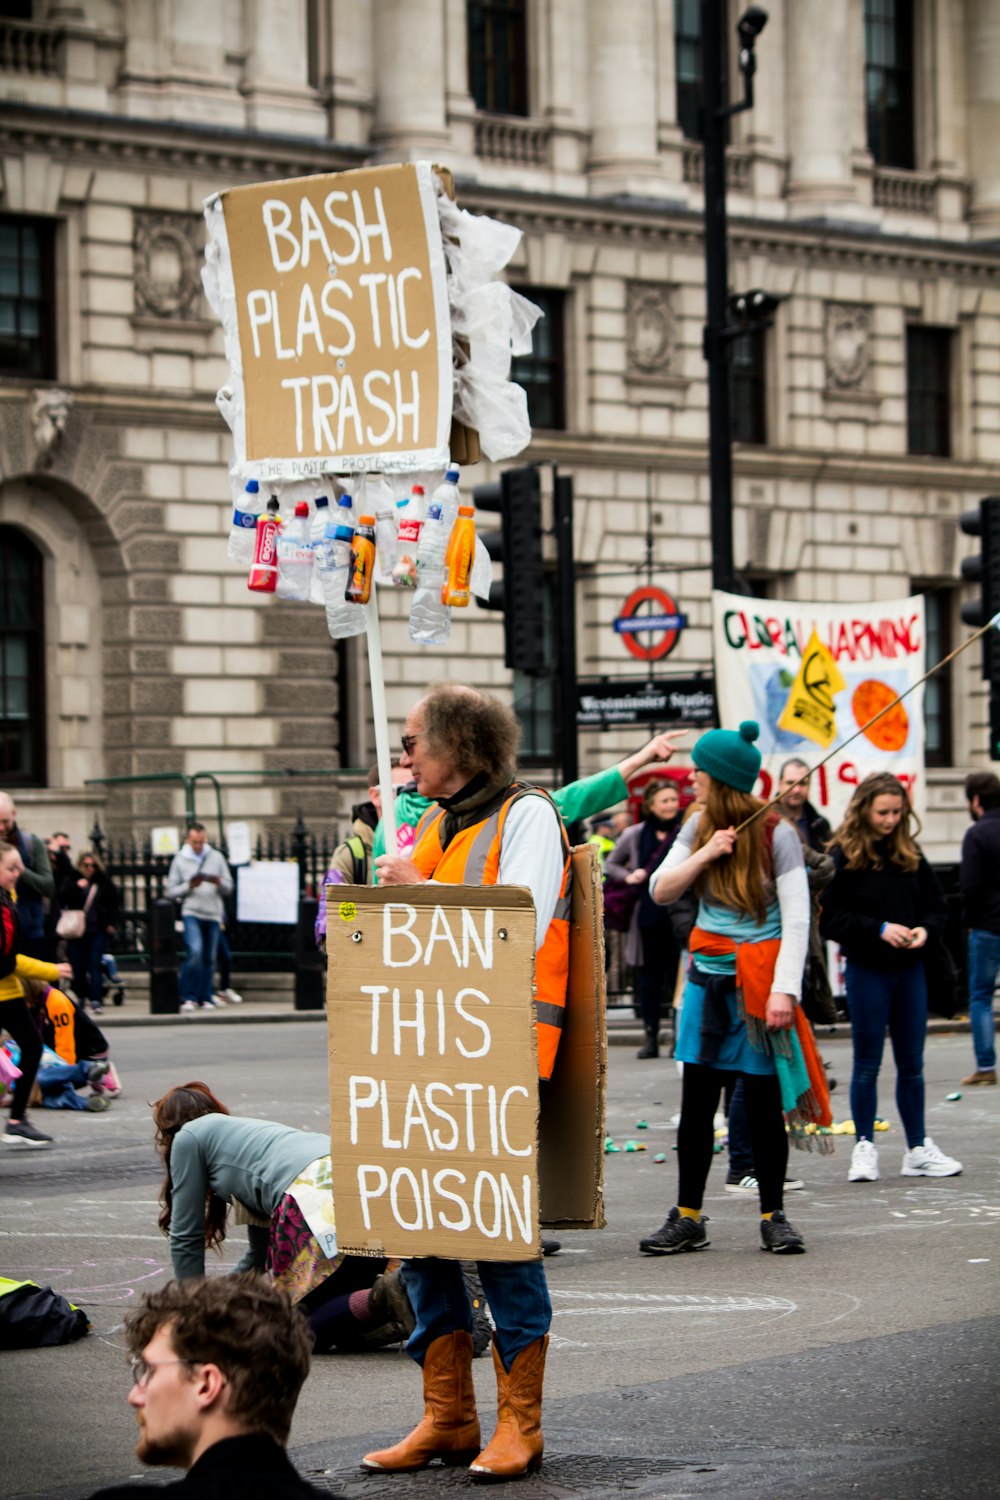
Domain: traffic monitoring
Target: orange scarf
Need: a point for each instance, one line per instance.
(754, 981)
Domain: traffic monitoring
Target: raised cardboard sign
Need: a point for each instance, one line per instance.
(343, 321)
(571, 1120)
(433, 1071)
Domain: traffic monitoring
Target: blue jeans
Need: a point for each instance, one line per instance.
(740, 1148)
(201, 935)
(59, 1083)
(984, 961)
(85, 955)
(516, 1291)
(877, 1000)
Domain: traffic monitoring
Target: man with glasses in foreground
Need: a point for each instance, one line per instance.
(217, 1366)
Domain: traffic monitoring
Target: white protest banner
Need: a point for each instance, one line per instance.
(268, 891)
(433, 1071)
(762, 650)
(333, 296)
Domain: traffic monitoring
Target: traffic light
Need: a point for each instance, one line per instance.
(984, 569)
(518, 547)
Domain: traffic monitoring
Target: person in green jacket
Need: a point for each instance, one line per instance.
(581, 799)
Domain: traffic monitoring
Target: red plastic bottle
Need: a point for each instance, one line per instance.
(263, 575)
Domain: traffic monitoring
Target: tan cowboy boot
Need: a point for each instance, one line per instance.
(516, 1446)
(450, 1426)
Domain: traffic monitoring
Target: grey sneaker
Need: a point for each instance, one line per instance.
(677, 1234)
(778, 1235)
(390, 1304)
(25, 1134)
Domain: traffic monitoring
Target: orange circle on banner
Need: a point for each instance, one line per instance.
(891, 731)
(664, 605)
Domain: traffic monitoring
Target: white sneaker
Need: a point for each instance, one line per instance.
(864, 1163)
(187, 1006)
(229, 996)
(928, 1161)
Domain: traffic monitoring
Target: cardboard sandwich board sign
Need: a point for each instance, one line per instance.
(571, 1122)
(342, 320)
(433, 1071)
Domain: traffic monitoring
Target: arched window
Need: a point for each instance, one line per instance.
(22, 662)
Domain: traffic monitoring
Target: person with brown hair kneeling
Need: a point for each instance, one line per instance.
(486, 829)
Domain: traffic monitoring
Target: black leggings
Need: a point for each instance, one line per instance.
(16, 1018)
(327, 1306)
(700, 1095)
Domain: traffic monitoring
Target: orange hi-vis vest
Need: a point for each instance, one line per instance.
(473, 858)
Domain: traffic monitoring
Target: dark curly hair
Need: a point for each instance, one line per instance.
(245, 1325)
(179, 1105)
(475, 731)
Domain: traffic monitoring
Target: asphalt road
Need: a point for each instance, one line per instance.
(865, 1367)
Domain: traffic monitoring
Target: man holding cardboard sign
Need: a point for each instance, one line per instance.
(487, 829)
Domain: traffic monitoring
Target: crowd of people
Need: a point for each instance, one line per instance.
(733, 901)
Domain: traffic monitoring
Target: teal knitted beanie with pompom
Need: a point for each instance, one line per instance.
(730, 755)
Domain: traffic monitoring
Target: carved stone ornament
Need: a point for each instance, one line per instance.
(50, 411)
(167, 251)
(651, 329)
(848, 345)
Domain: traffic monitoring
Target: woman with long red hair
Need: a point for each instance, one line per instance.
(741, 1010)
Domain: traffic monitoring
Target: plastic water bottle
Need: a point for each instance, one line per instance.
(343, 617)
(430, 621)
(455, 590)
(243, 535)
(411, 520)
(448, 498)
(375, 498)
(295, 556)
(263, 574)
(317, 541)
(359, 577)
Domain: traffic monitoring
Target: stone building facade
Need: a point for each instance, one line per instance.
(863, 191)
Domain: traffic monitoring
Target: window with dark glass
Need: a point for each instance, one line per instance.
(498, 56)
(542, 373)
(313, 69)
(688, 66)
(928, 391)
(22, 701)
(938, 604)
(27, 334)
(889, 81)
(747, 388)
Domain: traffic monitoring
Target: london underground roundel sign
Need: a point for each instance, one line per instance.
(649, 623)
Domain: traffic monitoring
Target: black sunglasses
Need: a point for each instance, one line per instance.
(409, 740)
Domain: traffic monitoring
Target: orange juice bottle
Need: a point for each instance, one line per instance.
(359, 574)
(458, 559)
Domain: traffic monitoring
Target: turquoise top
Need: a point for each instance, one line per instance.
(728, 922)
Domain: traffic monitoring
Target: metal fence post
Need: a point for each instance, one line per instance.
(310, 976)
(164, 995)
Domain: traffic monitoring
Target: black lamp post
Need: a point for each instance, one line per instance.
(719, 330)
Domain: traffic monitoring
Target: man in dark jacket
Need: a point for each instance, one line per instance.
(793, 789)
(218, 1366)
(979, 876)
(36, 886)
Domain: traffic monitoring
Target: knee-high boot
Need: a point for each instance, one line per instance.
(516, 1446)
(450, 1426)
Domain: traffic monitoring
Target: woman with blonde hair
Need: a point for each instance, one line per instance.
(740, 1014)
(882, 906)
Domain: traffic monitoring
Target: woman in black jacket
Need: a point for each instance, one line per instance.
(91, 890)
(651, 947)
(882, 906)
